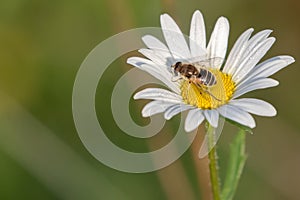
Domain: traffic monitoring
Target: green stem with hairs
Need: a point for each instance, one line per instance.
(236, 163)
(213, 164)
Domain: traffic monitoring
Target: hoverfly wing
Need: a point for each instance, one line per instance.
(197, 59)
(215, 62)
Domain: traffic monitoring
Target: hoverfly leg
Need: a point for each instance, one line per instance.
(175, 78)
(208, 92)
(213, 96)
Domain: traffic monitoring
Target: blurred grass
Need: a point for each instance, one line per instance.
(42, 44)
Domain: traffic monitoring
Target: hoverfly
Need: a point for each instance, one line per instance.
(197, 73)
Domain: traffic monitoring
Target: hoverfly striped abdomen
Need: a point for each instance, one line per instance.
(207, 77)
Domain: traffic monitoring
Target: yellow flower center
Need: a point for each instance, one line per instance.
(208, 97)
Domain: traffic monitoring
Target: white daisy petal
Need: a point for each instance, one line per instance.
(212, 116)
(258, 84)
(242, 48)
(236, 53)
(158, 47)
(143, 64)
(158, 72)
(153, 43)
(217, 45)
(252, 59)
(157, 56)
(158, 94)
(267, 68)
(255, 106)
(155, 107)
(174, 37)
(237, 115)
(175, 109)
(193, 120)
(271, 66)
(257, 38)
(197, 35)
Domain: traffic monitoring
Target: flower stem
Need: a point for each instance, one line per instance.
(213, 164)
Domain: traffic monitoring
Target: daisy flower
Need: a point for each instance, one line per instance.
(215, 91)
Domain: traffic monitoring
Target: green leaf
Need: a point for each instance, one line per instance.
(244, 128)
(236, 164)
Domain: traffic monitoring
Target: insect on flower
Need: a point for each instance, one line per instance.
(197, 73)
(208, 88)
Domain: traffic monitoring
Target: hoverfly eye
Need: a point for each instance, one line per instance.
(178, 64)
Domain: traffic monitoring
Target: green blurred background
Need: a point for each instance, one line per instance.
(42, 44)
